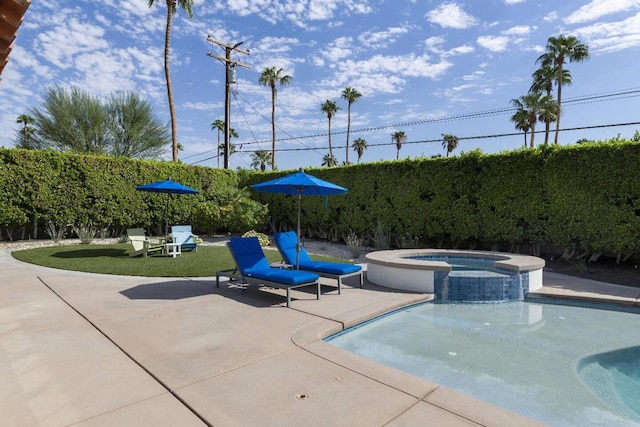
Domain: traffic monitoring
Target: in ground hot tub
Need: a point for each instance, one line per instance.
(454, 275)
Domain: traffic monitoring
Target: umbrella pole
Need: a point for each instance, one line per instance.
(166, 219)
(298, 245)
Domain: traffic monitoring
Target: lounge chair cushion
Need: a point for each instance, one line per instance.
(252, 262)
(287, 242)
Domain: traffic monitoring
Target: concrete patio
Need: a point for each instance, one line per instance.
(87, 349)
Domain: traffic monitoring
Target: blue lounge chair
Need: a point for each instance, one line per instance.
(252, 264)
(183, 235)
(287, 242)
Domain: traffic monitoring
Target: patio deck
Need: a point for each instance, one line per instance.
(89, 349)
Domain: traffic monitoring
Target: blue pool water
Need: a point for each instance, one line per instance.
(561, 365)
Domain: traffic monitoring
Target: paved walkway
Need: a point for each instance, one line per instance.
(98, 350)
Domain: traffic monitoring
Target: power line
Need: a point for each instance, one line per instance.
(439, 140)
(583, 99)
(466, 116)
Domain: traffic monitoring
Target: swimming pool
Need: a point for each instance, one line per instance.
(457, 275)
(561, 365)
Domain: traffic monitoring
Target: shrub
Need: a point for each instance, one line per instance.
(86, 233)
(355, 244)
(262, 238)
(55, 231)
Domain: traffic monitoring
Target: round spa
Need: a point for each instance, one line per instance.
(457, 275)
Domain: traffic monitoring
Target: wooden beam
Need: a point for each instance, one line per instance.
(12, 11)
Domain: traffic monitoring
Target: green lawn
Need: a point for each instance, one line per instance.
(114, 259)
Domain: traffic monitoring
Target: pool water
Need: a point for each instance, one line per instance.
(561, 365)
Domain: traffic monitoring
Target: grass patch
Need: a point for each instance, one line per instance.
(114, 259)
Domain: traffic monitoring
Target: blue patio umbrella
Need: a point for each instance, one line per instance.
(299, 184)
(169, 187)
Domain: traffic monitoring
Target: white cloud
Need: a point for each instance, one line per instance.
(339, 49)
(461, 50)
(551, 16)
(202, 106)
(473, 76)
(273, 45)
(433, 44)
(518, 30)
(510, 2)
(71, 38)
(378, 39)
(388, 74)
(599, 8)
(612, 36)
(494, 43)
(451, 15)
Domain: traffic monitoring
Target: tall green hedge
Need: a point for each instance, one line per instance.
(74, 189)
(584, 197)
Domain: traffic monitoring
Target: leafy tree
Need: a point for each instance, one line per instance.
(25, 138)
(351, 95)
(359, 145)
(134, 129)
(218, 125)
(270, 77)
(71, 121)
(449, 142)
(76, 121)
(187, 6)
(399, 138)
(558, 51)
(260, 159)
(330, 108)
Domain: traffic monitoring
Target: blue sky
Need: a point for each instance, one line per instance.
(423, 67)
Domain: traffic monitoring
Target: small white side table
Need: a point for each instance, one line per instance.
(173, 249)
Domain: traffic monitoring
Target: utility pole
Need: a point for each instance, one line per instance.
(230, 68)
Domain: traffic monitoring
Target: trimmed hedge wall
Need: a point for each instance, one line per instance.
(39, 187)
(584, 197)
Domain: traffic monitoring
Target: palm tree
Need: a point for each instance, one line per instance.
(449, 142)
(187, 6)
(350, 95)
(329, 160)
(559, 49)
(543, 79)
(529, 104)
(270, 77)
(359, 145)
(330, 108)
(222, 146)
(399, 138)
(548, 112)
(219, 126)
(223, 149)
(260, 159)
(521, 119)
(24, 138)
